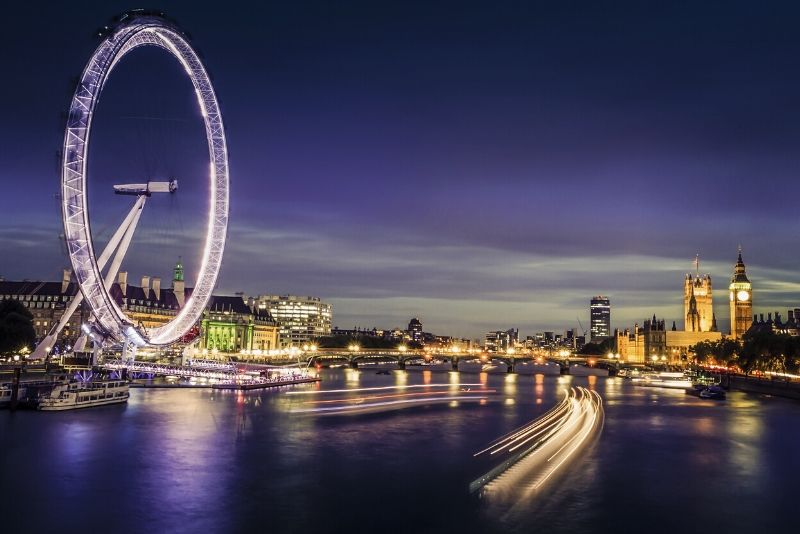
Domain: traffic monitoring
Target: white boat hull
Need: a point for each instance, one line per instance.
(76, 395)
(60, 407)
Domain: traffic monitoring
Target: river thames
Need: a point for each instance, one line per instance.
(202, 460)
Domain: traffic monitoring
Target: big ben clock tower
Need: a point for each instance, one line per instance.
(741, 295)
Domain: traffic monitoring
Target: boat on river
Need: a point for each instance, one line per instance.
(6, 394)
(664, 380)
(72, 395)
(713, 392)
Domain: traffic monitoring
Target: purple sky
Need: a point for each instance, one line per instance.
(480, 166)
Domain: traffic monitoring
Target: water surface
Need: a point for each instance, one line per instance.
(199, 460)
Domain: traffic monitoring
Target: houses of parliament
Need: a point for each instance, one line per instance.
(698, 302)
(653, 341)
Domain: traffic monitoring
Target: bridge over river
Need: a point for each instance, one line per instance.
(352, 358)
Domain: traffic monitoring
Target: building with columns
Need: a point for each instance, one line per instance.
(230, 326)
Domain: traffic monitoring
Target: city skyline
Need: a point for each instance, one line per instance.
(528, 175)
(398, 267)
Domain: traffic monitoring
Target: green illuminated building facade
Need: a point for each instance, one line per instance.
(230, 326)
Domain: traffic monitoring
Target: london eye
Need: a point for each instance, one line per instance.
(95, 273)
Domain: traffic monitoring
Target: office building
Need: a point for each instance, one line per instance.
(600, 315)
(301, 320)
(415, 330)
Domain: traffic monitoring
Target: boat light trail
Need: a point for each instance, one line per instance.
(394, 396)
(539, 449)
(382, 388)
(396, 403)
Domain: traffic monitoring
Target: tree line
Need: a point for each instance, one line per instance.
(759, 351)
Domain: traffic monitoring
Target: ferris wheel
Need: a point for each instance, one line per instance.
(138, 29)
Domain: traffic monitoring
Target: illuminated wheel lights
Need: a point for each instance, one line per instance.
(133, 31)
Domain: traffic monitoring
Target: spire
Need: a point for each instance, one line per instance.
(697, 265)
(739, 274)
(713, 322)
(692, 316)
(674, 328)
(177, 274)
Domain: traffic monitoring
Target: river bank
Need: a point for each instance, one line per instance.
(763, 386)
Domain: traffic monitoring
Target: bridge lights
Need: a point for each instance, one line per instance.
(402, 348)
(353, 347)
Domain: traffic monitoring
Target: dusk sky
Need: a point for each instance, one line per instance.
(480, 165)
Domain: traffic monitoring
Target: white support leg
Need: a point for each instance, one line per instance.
(131, 220)
(124, 244)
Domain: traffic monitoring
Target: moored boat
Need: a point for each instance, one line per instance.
(73, 395)
(713, 392)
(5, 396)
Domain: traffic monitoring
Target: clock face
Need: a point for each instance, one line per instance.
(742, 296)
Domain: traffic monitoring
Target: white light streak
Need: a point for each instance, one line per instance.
(561, 432)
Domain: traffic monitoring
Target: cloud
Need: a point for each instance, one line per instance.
(466, 289)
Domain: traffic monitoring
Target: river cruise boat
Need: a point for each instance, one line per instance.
(76, 394)
(664, 380)
(6, 391)
(5, 396)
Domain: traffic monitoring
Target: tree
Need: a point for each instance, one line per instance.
(599, 349)
(768, 351)
(16, 327)
(723, 351)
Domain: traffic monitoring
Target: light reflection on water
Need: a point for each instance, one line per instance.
(221, 461)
